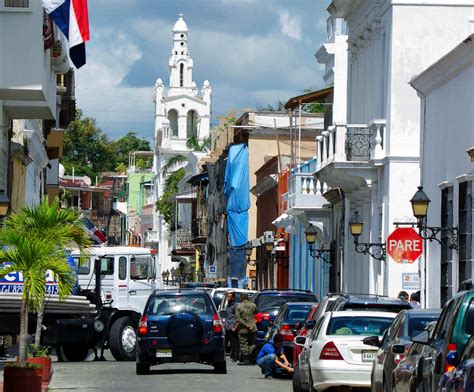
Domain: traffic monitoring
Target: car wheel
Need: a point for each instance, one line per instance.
(220, 367)
(297, 387)
(75, 352)
(122, 339)
(143, 368)
(185, 330)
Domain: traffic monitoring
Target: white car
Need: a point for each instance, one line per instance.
(218, 295)
(337, 356)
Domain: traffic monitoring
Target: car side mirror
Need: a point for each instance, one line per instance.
(372, 341)
(398, 349)
(451, 358)
(223, 314)
(300, 340)
(310, 324)
(422, 338)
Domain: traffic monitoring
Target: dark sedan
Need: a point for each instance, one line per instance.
(396, 342)
(460, 379)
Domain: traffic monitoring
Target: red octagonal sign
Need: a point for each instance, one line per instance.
(404, 245)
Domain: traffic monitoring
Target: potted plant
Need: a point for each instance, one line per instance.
(25, 378)
(40, 356)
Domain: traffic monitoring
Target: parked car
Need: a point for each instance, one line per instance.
(305, 329)
(180, 326)
(337, 356)
(287, 323)
(460, 379)
(222, 305)
(453, 329)
(395, 344)
(269, 303)
(405, 374)
(368, 302)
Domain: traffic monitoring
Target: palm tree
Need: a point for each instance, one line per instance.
(171, 162)
(31, 257)
(61, 227)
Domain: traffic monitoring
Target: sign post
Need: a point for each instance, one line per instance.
(404, 245)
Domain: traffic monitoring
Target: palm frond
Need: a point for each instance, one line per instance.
(171, 162)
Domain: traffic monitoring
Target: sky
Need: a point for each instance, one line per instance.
(253, 52)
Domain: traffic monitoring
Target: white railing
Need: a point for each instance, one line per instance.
(352, 142)
(304, 190)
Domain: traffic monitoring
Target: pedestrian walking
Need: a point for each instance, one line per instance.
(230, 332)
(272, 355)
(246, 327)
(415, 300)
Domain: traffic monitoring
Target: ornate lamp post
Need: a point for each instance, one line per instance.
(248, 253)
(375, 249)
(323, 254)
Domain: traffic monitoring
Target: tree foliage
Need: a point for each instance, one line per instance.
(88, 149)
(164, 205)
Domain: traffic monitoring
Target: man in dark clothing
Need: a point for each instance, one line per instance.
(272, 354)
(230, 333)
(246, 327)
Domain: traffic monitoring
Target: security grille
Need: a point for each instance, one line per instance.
(17, 3)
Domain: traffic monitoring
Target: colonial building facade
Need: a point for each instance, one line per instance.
(180, 114)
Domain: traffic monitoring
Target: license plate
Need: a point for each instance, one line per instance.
(368, 356)
(164, 353)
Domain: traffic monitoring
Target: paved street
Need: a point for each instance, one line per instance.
(120, 376)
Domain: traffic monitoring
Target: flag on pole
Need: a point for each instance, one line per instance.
(72, 19)
(97, 236)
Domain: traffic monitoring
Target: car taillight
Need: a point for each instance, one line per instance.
(398, 358)
(259, 317)
(143, 326)
(216, 324)
(330, 351)
(450, 347)
(286, 332)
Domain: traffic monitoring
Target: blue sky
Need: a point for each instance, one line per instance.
(253, 52)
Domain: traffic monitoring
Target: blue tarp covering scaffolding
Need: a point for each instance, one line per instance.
(237, 190)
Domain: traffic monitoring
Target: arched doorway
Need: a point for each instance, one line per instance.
(173, 118)
(192, 123)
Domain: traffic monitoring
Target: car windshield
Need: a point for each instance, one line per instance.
(358, 326)
(297, 313)
(417, 325)
(275, 301)
(376, 306)
(168, 305)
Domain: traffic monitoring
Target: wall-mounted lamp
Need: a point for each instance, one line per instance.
(375, 249)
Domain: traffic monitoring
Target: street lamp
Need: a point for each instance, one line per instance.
(419, 204)
(323, 254)
(248, 253)
(375, 249)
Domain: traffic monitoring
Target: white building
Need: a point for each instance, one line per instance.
(370, 163)
(180, 113)
(446, 90)
(29, 97)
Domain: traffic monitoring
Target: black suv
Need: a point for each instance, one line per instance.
(269, 303)
(180, 326)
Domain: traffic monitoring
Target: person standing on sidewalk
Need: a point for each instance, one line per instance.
(230, 333)
(246, 327)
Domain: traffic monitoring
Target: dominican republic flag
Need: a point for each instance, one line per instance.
(97, 236)
(72, 19)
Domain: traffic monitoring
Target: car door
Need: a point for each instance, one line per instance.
(305, 356)
(141, 281)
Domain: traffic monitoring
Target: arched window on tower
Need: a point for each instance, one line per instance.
(192, 124)
(173, 118)
(181, 74)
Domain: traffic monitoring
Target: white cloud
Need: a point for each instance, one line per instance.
(290, 26)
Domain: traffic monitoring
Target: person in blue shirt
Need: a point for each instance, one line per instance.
(272, 355)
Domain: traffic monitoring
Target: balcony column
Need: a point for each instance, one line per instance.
(340, 134)
(320, 149)
(325, 135)
(332, 136)
(378, 128)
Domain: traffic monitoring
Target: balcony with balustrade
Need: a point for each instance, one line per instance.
(348, 154)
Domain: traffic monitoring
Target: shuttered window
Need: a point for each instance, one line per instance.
(446, 250)
(465, 230)
(17, 3)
